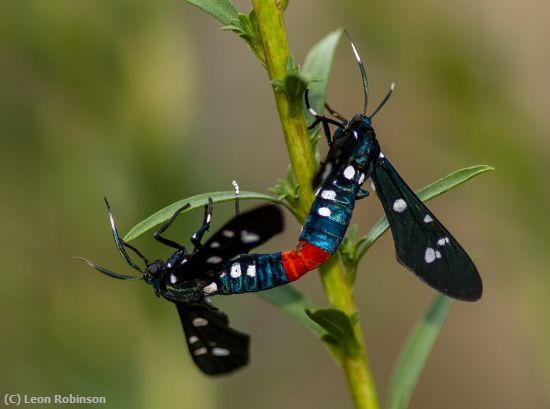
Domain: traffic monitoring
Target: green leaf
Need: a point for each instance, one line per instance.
(223, 10)
(293, 302)
(413, 356)
(333, 346)
(287, 191)
(339, 326)
(246, 27)
(295, 86)
(427, 193)
(318, 64)
(291, 66)
(195, 202)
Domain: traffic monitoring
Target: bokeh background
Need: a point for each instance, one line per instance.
(149, 102)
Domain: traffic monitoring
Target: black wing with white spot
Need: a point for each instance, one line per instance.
(240, 235)
(422, 243)
(215, 347)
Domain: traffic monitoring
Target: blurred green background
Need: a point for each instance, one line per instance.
(149, 102)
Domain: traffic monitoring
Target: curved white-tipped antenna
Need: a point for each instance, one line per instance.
(388, 95)
(119, 242)
(363, 72)
(106, 271)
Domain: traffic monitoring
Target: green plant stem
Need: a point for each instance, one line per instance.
(272, 30)
(338, 289)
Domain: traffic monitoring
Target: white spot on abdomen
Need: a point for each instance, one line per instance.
(428, 219)
(200, 322)
(349, 172)
(328, 194)
(210, 288)
(247, 237)
(251, 270)
(429, 256)
(399, 205)
(235, 270)
(324, 211)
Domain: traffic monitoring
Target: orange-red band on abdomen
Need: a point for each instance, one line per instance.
(304, 258)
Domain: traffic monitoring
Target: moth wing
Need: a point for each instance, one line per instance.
(240, 235)
(215, 347)
(422, 243)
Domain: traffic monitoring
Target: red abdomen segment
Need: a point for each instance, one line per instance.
(305, 257)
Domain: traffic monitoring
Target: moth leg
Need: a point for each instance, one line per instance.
(361, 194)
(167, 242)
(197, 236)
(135, 250)
(321, 119)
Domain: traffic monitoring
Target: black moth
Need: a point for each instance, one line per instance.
(215, 347)
(423, 245)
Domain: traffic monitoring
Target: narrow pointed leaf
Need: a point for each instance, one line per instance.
(195, 202)
(222, 10)
(318, 64)
(413, 356)
(427, 193)
(294, 303)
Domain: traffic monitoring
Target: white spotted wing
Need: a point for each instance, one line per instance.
(242, 233)
(238, 236)
(422, 243)
(215, 347)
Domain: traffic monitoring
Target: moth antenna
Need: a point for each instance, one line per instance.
(107, 272)
(119, 242)
(388, 95)
(237, 196)
(362, 69)
(335, 114)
